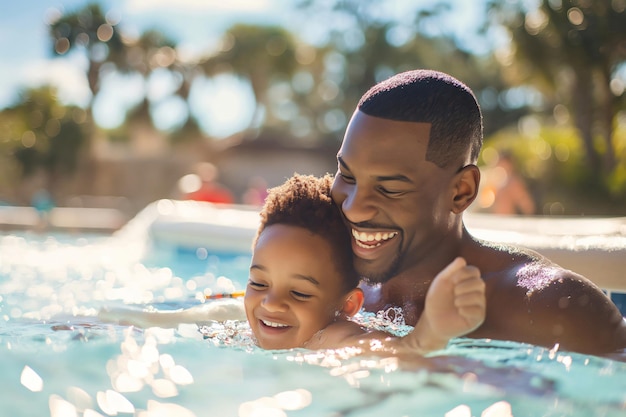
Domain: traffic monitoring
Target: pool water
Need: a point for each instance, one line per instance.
(58, 359)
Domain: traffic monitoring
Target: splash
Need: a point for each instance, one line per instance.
(390, 320)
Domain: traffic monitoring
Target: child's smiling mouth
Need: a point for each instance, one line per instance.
(273, 324)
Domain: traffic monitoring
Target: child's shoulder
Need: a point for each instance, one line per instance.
(337, 334)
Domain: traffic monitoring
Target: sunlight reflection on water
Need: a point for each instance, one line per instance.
(58, 358)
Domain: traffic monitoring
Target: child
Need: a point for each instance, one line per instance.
(302, 288)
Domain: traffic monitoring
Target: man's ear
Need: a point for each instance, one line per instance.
(353, 302)
(465, 187)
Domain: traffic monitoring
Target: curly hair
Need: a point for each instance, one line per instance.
(304, 201)
(431, 97)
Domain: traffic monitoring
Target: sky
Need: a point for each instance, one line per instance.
(26, 59)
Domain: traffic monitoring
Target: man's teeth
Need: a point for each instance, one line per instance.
(369, 240)
(272, 324)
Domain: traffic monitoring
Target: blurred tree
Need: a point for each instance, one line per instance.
(265, 55)
(572, 50)
(89, 30)
(152, 50)
(155, 53)
(43, 136)
(368, 44)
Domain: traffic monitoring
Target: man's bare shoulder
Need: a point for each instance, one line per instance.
(531, 299)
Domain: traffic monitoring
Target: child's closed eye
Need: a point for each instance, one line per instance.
(256, 285)
(300, 295)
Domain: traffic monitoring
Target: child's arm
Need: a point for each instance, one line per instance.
(455, 305)
(219, 310)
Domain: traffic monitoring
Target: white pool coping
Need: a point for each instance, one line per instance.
(593, 247)
(85, 219)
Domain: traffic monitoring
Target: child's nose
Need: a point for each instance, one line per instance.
(274, 302)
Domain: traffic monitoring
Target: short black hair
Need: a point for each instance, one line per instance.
(433, 97)
(305, 201)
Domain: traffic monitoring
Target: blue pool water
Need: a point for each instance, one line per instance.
(58, 359)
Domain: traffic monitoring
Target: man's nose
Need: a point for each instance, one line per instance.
(358, 205)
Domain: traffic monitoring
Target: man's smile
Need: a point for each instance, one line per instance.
(371, 240)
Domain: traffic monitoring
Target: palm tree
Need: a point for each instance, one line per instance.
(261, 54)
(88, 30)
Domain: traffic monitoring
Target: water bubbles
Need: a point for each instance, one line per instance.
(179, 375)
(459, 411)
(228, 333)
(141, 365)
(294, 400)
(390, 320)
(157, 409)
(112, 403)
(126, 382)
(80, 398)
(275, 406)
(60, 407)
(31, 379)
(164, 388)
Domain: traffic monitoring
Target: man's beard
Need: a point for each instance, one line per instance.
(380, 277)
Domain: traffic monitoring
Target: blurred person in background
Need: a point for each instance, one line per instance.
(503, 190)
(202, 185)
(256, 192)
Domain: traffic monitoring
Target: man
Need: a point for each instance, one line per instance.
(406, 173)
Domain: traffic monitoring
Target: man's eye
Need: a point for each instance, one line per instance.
(347, 178)
(301, 295)
(389, 192)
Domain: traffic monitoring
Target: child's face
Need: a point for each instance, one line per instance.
(294, 288)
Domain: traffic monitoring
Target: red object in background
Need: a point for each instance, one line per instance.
(212, 193)
(203, 185)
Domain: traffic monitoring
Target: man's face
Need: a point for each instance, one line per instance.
(396, 203)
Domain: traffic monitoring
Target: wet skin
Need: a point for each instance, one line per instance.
(406, 217)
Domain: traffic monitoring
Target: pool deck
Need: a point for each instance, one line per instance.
(67, 219)
(593, 247)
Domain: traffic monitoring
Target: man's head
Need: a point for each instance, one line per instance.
(301, 273)
(427, 96)
(406, 170)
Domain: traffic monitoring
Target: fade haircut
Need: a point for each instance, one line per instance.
(304, 201)
(431, 97)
